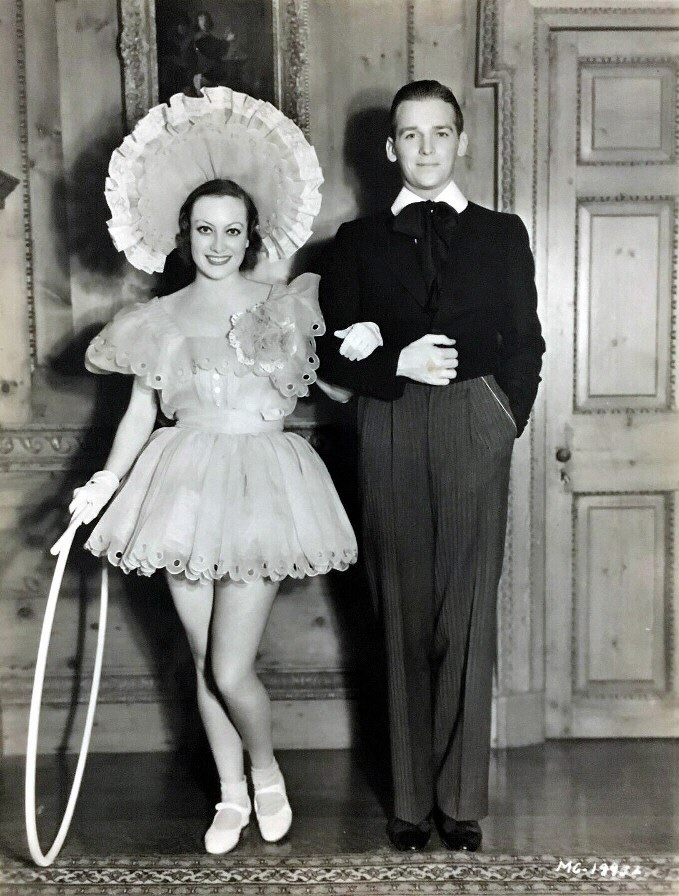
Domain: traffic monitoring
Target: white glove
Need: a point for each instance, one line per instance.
(359, 340)
(90, 499)
(337, 393)
(430, 359)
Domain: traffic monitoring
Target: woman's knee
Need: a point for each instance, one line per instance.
(199, 655)
(232, 679)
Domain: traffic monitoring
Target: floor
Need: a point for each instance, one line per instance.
(563, 798)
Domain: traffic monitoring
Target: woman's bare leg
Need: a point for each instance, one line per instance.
(194, 603)
(239, 617)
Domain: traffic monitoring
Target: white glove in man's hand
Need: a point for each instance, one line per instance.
(430, 359)
(359, 340)
(90, 499)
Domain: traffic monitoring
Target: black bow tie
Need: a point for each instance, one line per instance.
(432, 224)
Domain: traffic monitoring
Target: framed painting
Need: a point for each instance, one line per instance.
(254, 46)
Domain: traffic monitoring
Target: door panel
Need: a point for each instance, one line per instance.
(623, 345)
(620, 542)
(612, 426)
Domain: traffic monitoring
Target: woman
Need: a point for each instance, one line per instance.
(224, 501)
(211, 53)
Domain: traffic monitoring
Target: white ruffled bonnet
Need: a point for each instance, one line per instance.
(178, 146)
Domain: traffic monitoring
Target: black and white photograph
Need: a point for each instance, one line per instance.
(339, 447)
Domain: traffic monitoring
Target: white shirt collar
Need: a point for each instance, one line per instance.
(452, 195)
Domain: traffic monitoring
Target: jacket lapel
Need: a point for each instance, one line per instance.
(405, 263)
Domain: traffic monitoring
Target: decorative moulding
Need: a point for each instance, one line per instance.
(20, 23)
(281, 684)
(492, 73)
(38, 448)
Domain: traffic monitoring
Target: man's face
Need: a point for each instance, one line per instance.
(426, 145)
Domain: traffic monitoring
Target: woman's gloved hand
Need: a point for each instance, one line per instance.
(359, 340)
(90, 499)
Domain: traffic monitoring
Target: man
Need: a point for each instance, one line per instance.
(440, 292)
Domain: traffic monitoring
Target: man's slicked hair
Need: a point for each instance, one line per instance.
(425, 90)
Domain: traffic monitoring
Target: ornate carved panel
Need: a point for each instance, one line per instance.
(492, 73)
(45, 448)
(41, 448)
(25, 167)
(139, 57)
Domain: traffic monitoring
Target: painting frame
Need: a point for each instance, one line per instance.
(139, 57)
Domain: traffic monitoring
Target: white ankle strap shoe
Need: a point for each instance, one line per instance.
(222, 836)
(273, 826)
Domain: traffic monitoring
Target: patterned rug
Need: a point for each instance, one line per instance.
(348, 875)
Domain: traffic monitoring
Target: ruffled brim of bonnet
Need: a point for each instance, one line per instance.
(178, 146)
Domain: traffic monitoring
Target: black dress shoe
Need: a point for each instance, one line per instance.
(406, 836)
(458, 834)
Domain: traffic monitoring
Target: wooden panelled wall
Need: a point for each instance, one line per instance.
(60, 277)
(69, 96)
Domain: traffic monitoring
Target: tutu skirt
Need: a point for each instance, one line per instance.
(210, 505)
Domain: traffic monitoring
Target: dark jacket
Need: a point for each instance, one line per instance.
(488, 304)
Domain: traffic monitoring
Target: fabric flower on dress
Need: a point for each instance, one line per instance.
(262, 343)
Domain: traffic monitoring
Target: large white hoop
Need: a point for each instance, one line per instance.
(62, 548)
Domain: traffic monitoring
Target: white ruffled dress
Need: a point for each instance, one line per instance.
(225, 491)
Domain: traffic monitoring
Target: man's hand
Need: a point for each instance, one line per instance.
(359, 340)
(431, 360)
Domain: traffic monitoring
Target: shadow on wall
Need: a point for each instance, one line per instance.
(370, 176)
(80, 193)
(374, 179)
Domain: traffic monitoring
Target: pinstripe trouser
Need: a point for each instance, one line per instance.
(434, 468)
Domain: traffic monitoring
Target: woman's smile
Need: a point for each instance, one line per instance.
(219, 236)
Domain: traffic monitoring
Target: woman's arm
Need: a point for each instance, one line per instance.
(131, 436)
(133, 430)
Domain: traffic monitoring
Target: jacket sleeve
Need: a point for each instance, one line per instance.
(340, 298)
(522, 344)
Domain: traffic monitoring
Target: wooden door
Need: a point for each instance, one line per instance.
(612, 426)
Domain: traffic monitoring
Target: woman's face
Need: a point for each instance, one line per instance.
(219, 235)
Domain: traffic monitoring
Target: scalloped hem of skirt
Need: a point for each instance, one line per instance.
(144, 566)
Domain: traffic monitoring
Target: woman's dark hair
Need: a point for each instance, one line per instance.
(209, 21)
(219, 188)
(426, 90)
